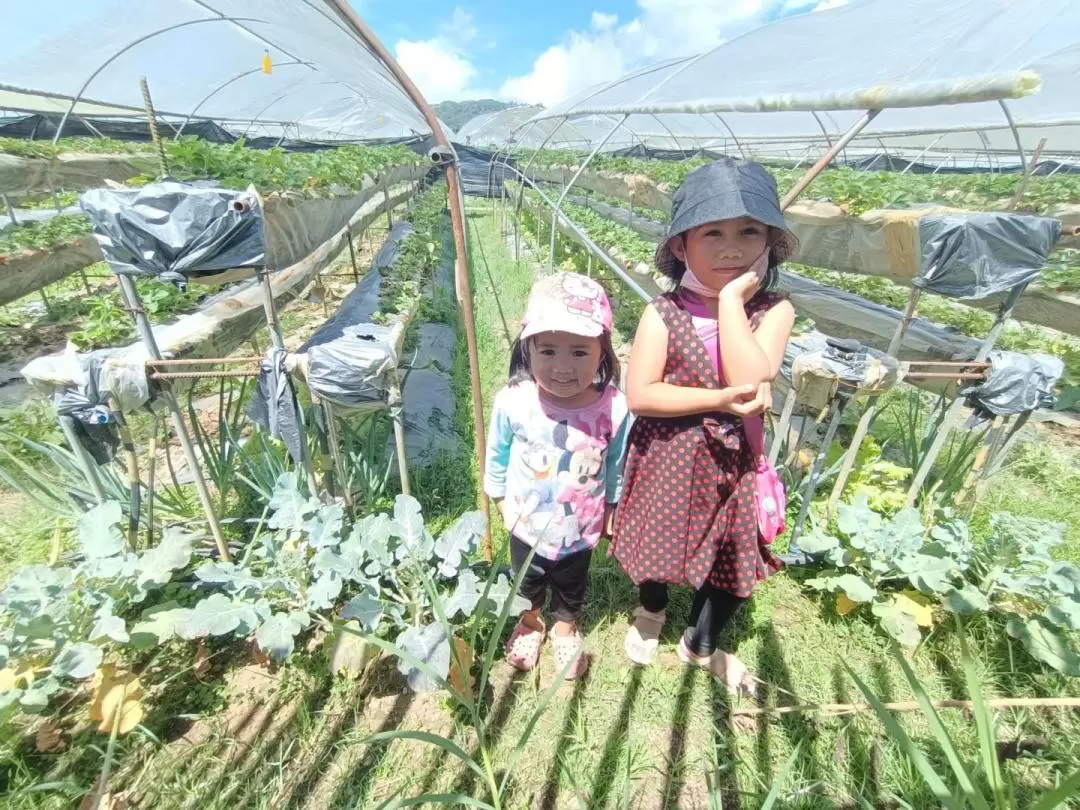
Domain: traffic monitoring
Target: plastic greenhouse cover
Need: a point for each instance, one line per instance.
(1015, 383)
(932, 67)
(976, 255)
(204, 59)
(176, 231)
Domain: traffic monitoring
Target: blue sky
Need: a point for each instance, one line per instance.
(543, 50)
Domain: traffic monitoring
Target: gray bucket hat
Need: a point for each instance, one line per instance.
(726, 189)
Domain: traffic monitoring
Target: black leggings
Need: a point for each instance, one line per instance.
(712, 609)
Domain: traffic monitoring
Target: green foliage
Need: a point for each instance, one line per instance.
(47, 235)
(877, 556)
(46, 149)
(236, 166)
(420, 253)
(979, 783)
(59, 623)
(1012, 575)
(883, 482)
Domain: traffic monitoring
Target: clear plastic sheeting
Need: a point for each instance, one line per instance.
(204, 59)
(976, 255)
(494, 129)
(1016, 383)
(176, 231)
(931, 67)
(88, 387)
(352, 372)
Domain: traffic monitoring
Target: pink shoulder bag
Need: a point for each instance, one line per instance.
(769, 494)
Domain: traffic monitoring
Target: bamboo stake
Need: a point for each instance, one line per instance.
(151, 119)
(1022, 184)
(910, 705)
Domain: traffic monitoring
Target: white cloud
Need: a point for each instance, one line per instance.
(602, 21)
(661, 29)
(440, 66)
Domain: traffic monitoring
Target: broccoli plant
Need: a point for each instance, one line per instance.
(309, 563)
(891, 564)
(58, 623)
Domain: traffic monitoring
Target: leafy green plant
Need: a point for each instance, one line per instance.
(419, 254)
(1015, 575)
(47, 235)
(309, 561)
(879, 556)
(59, 623)
(983, 783)
(883, 482)
(448, 665)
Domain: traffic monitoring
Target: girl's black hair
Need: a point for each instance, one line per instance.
(675, 269)
(606, 374)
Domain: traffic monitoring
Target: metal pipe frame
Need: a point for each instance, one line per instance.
(146, 333)
(457, 218)
(587, 241)
(221, 87)
(827, 158)
(570, 185)
(125, 49)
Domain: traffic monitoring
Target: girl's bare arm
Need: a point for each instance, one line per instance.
(749, 356)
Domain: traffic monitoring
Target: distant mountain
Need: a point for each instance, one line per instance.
(455, 113)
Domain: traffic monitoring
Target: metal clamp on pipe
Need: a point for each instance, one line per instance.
(441, 155)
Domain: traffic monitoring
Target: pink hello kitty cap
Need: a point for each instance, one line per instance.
(567, 302)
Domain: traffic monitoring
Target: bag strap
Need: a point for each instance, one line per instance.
(755, 434)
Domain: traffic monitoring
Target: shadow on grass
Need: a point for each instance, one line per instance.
(549, 799)
(607, 768)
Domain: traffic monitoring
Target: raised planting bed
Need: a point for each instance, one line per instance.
(827, 234)
(227, 320)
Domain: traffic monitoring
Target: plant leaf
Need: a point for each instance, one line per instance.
(35, 698)
(323, 591)
(897, 623)
(77, 661)
(856, 588)
(156, 565)
(430, 645)
(1064, 613)
(457, 542)
(350, 652)
(844, 606)
(99, 535)
(465, 596)
(1044, 643)
(289, 507)
(324, 528)
(966, 601)
(109, 626)
(817, 542)
(276, 636)
(159, 624)
(366, 608)
(918, 606)
(218, 615)
(409, 526)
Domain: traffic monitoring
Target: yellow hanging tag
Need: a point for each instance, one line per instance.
(267, 66)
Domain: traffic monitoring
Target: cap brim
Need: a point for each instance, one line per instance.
(582, 329)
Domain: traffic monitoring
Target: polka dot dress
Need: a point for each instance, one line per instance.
(687, 513)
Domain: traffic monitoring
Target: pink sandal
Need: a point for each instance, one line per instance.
(523, 647)
(567, 649)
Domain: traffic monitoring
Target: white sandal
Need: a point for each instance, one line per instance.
(567, 649)
(724, 666)
(643, 636)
